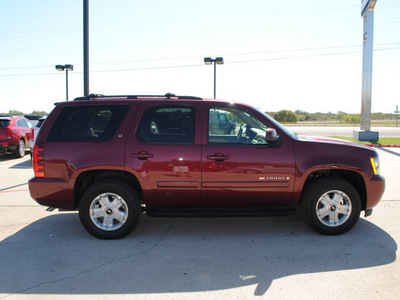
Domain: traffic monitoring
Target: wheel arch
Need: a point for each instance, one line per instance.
(86, 179)
(354, 178)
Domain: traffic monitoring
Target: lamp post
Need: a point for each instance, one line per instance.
(216, 61)
(66, 68)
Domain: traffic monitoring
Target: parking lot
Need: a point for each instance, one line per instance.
(46, 255)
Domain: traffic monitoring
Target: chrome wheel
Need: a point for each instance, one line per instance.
(333, 208)
(20, 151)
(331, 205)
(108, 211)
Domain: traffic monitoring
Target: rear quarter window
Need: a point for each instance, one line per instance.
(87, 123)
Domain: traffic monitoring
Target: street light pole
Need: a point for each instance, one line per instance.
(85, 47)
(219, 61)
(215, 80)
(67, 68)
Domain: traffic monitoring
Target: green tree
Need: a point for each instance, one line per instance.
(302, 115)
(350, 119)
(341, 115)
(285, 116)
(39, 113)
(14, 112)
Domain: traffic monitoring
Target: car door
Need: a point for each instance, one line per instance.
(164, 152)
(25, 131)
(240, 169)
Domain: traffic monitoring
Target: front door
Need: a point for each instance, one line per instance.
(239, 168)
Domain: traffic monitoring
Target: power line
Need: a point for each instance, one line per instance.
(199, 65)
(223, 54)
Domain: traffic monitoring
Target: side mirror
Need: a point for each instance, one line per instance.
(271, 136)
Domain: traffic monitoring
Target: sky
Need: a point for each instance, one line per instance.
(283, 54)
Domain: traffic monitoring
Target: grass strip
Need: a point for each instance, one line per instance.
(388, 141)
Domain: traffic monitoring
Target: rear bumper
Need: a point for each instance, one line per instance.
(375, 190)
(52, 192)
(8, 148)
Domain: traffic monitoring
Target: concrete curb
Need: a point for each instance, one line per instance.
(383, 145)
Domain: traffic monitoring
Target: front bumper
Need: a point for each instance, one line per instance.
(375, 190)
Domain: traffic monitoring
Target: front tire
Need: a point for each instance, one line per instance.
(331, 206)
(109, 209)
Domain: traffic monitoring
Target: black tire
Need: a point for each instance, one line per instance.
(20, 151)
(331, 206)
(109, 209)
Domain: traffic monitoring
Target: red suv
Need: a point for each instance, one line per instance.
(16, 135)
(114, 157)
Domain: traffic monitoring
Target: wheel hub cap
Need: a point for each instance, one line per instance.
(333, 208)
(108, 211)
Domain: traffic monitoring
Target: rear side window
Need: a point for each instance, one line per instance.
(87, 123)
(21, 123)
(5, 123)
(167, 124)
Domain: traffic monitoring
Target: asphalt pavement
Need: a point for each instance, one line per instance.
(49, 255)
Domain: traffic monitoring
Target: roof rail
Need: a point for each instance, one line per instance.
(166, 96)
(89, 97)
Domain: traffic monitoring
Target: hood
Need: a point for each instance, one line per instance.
(325, 140)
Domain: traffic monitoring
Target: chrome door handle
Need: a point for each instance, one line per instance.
(142, 155)
(218, 157)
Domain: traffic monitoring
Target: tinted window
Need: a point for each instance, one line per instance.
(5, 123)
(167, 125)
(234, 126)
(21, 123)
(87, 123)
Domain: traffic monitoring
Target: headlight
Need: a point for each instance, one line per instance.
(375, 165)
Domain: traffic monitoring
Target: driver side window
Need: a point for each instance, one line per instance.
(234, 126)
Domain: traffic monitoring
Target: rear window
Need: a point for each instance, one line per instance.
(87, 123)
(5, 123)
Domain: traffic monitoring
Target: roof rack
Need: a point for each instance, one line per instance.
(166, 96)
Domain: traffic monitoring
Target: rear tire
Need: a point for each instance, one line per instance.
(331, 206)
(20, 151)
(109, 209)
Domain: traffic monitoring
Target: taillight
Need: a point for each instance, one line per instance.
(38, 160)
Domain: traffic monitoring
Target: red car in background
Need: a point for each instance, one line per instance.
(16, 135)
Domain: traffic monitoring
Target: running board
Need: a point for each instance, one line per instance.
(218, 212)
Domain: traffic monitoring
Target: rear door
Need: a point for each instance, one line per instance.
(164, 152)
(239, 168)
(24, 130)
